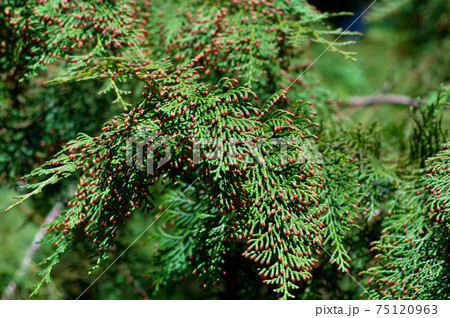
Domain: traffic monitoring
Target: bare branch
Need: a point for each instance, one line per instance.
(26, 261)
(383, 98)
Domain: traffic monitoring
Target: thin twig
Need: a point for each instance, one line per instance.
(383, 98)
(26, 261)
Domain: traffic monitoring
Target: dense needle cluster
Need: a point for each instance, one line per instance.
(259, 194)
(248, 177)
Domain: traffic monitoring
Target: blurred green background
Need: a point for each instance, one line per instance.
(393, 57)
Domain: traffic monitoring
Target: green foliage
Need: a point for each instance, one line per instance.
(428, 133)
(34, 129)
(425, 27)
(52, 31)
(259, 182)
(412, 253)
(419, 19)
(252, 40)
(354, 191)
(240, 210)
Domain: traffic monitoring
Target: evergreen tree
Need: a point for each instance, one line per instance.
(226, 138)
